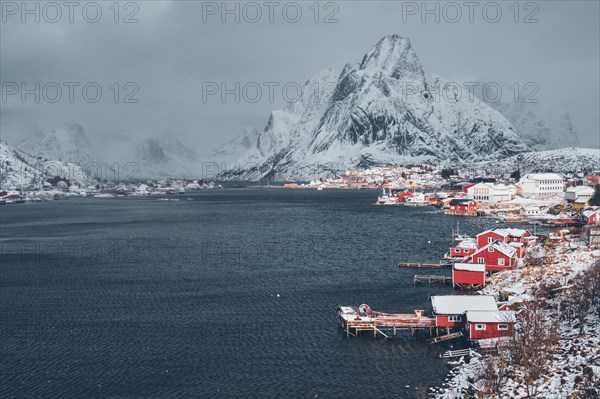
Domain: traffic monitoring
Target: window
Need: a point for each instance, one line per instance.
(480, 261)
(490, 249)
(503, 327)
(501, 262)
(480, 327)
(490, 240)
(454, 318)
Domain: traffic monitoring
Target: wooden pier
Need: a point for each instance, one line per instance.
(431, 278)
(354, 321)
(458, 353)
(443, 338)
(425, 265)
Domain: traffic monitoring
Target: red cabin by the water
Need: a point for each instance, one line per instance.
(403, 195)
(468, 274)
(462, 206)
(506, 235)
(490, 324)
(495, 256)
(449, 310)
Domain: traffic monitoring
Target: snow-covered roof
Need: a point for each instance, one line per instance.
(507, 232)
(578, 189)
(505, 248)
(459, 304)
(543, 176)
(470, 267)
(498, 316)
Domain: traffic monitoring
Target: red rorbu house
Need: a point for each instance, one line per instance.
(489, 324)
(462, 206)
(519, 238)
(449, 310)
(463, 249)
(495, 256)
(464, 274)
(507, 235)
(404, 194)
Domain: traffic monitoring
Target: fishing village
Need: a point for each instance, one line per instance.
(526, 293)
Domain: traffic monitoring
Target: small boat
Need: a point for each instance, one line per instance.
(387, 199)
(181, 190)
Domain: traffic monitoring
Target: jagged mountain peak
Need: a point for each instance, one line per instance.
(366, 115)
(66, 143)
(393, 56)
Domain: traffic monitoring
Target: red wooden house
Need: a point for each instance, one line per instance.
(506, 235)
(495, 256)
(449, 310)
(464, 274)
(463, 249)
(462, 206)
(404, 194)
(489, 324)
(594, 218)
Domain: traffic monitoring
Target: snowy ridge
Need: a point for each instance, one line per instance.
(380, 111)
(564, 160)
(67, 143)
(119, 153)
(19, 169)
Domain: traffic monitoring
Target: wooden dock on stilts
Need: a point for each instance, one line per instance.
(354, 321)
(431, 278)
(443, 338)
(423, 265)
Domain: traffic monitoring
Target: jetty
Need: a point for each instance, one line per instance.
(458, 353)
(417, 265)
(431, 278)
(356, 320)
(443, 338)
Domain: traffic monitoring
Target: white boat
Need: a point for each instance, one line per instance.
(387, 198)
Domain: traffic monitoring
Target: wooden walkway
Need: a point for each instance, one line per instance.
(443, 338)
(458, 353)
(424, 265)
(431, 278)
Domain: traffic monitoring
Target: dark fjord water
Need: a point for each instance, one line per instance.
(228, 293)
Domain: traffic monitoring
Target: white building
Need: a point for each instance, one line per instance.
(579, 193)
(541, 185)
(530, 211)
(491, 193)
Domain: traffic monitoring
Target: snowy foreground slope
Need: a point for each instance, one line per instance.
(381, 110)
(19, 169)
(574, 368)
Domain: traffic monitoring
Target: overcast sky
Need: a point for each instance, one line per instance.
(177, 48)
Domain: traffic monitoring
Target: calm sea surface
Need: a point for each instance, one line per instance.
(229, 293)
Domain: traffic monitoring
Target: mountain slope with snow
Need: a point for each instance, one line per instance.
(563, 160)
(19, 169)
(542, 129)
(381, 110)
(68, 143)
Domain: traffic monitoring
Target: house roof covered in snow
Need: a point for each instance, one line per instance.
(470, 267)
(498, 316)
(459, 304)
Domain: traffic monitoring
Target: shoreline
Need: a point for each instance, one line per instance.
(574, 358)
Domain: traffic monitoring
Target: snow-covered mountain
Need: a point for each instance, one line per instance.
(157, 157)
(19, 169)
(68, 143)
(166, 156)
(541, 128)
(381, 110)
(563, 160)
